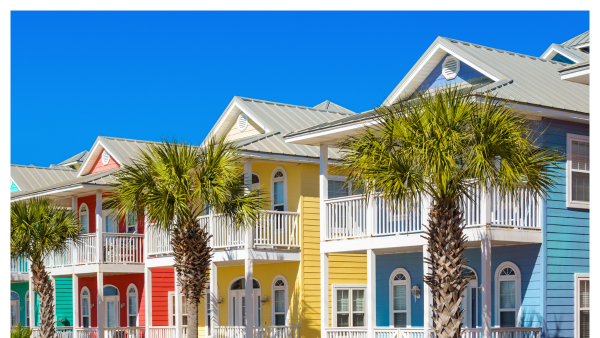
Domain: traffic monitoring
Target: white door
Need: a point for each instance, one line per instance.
(238, 311)
(111, 311)
(110, 224)
(470, 303)
(14, 312)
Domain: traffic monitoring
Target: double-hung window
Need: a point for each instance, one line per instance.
(132, 305)
(85, 307)
(508, 295)
(349, 306)
(582, 305)
(578, 171)
(131, 223)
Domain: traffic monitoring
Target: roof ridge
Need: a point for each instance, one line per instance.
(125, 139)
(501, 50)
(38, 167)
(293, 105)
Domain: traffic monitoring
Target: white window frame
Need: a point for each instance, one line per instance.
(17, 306)
(117, 304)
(85, 213)
(256, 292)
(135, 224)
(408, 283)
(285, 295)
(81, 298)
(136, 294)
(474, 283)
(579, 277)
(517, 279)
(350, 288)
(27, 309)
(207, 311)
(171, 304)
(285, 183)
(570, 202)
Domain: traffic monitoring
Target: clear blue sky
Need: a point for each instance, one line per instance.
(144, 75)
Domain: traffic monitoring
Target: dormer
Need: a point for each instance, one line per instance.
(99, 159)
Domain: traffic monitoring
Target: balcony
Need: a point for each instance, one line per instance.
(19, 269)
(289, 331)
(274, 230)
(517, 332)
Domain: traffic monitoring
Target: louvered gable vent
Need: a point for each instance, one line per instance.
(450, 67)
(242, 122)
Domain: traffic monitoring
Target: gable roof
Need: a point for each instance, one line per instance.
(328, 105)
(571, 53)
(29, 178)
(581, 39)
(79, 158)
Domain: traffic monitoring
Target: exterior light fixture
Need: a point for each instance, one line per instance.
(416, 292)
(220, 300)
(263, 300)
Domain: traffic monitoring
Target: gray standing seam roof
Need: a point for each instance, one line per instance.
(580, 39)
(328, 105)
(29, 178)
(77, 158)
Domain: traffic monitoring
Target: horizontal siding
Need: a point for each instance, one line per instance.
(64, 301)
(163, 281)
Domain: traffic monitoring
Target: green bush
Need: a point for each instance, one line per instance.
(20, 332)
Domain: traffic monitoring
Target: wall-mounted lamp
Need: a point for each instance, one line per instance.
(416, 292)
(92, 305)
(220, 300)
(122, 304)
(263, 300)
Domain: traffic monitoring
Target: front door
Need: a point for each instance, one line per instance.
(470, 301)
(238, 301)
(110, 225)
(112, 311)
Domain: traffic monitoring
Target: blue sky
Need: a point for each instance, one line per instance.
(145, 75)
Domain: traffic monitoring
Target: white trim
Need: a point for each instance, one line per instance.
(81, 298)
(320, 132)
(81, 170)
(27, 308)
(243, 109)
(170, 295)
(105, 214)
(578, 277)
(350, 287)
(255, 292)
(517, 279)
(468, 313)
(252, 174)
(137, 297)
(285, 183)
(85, 213)
(17, 304)
(551, 52)
(408, 284)
(570, 202)
(285, 294)
(61, 190)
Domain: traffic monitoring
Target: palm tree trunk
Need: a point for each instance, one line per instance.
(446, 279)
(192, 256)
(43, 286)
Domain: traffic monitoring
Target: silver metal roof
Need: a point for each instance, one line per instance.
(571, 53)
(79, 158)
(581, 39)
(328, 105)
(29, 178)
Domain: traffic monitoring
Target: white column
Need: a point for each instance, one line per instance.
(100, 305)
(249, 288)
(74, 247)
(178, 311)
(214, 299)
(427, 299)
(324, 293)
(148, 296)
(75, 303)
(371, 297)
(99, 227)
(31, 300)
(248, 175)
(323, 188)
(486, 286)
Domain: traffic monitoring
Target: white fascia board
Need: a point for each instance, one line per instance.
(575, 74)
(92, 153)
(241, 106)
(306, 138)
(49, 192)
(549, 54)
(276, 157)
(552, 113)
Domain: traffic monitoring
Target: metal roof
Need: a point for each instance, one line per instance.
(328, 105)
(79, 158)
(273, 143)
(581, 39)
(29, 178)
(585, 64)
(572, 53)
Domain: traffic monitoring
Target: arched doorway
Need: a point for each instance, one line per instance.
(237, 302)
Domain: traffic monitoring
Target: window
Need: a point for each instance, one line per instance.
(84, 218)
(508, 295)
(470, 299)
(131, 223)
(336, 187)
(255, 182)
(15, 308)
(132, 305)
(582, 305)
(578, 171)
(27, 323)
(85, 307)
(237, 302)
(280, 300)
(400, 298)
(207, 309)
(173, 309)
(279, 189)
(349, 308)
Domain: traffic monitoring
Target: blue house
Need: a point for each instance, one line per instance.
(530, 258)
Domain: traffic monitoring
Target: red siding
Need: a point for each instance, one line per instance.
(99, 166)
(121, 282)
(163, 281)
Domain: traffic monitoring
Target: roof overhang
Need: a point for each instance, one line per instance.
(64, 192)
(578, 75)
(330, 135)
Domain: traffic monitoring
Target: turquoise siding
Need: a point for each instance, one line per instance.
(466, 73)
(21, 289)
(567, 240)
(64, 301)
(13, 186)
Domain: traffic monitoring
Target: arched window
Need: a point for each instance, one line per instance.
(84, 298)
(237, 301)
(279, 189)
(84, 217)
(470, 299)
(132, 305)
(27, 323)
(280, 300)
(255, 181)
(508, 295)
(400, 298)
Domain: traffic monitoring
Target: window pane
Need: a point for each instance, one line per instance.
(507, 319)
(584, 324)
(342, 301)
(580, 186)
(358, 319)
(86, 322)
(342, 320)
(183, 320)
(400, 319)
(507, 294)
(84, 223)
(85, 307)
(580, 156)
(132, 320)
(279, 301)
(336, 189)
(279, 319)
(358, 300)
(132, 305)
(278, 192)
(400, 297)
(584, 293)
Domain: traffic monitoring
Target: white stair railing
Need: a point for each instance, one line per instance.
(277, 229)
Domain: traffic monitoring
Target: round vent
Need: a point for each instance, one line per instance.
(242, 122)
(450, 67)
(105, 157)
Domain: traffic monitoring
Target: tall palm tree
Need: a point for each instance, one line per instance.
(38, 228)
(172, 184)
(443, 144)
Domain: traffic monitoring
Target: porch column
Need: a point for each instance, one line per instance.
(31, 300)
(486, 286)
(249, 287)
(75, 304)
(178, 311)
(323, 194)
(371, 288)
(100, 305)
(74, 248)
(427, 299)
(214, 299)
(148, 297)
(324, 293)
(99, 227)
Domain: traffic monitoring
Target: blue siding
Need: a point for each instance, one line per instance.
(13, 186)
(561, 58)
(436, 79)
(567, 246)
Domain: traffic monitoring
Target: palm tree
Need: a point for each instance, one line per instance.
(442, 144)
(38, 228)
(175, 183)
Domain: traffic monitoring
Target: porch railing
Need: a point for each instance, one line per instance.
(19, 265)
(123, 248)
(125, 332)
(229, 332)
(277, 229)
(87, 332)
(225, 235)
(86, 252)
(497, 332)
(61, 332)
(289, 331)
(346, 332)
(161, 332)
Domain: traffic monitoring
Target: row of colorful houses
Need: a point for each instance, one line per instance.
(322, 262)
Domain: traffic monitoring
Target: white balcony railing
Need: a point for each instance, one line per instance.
(290, 331)
(354, 332)
(353, 217)
(277, 229)
(123, 248)
(229, 332)
(517, 332)
(87, 332)
(162, 332)
(61, 332)
(125, 332)
(226, 235)
(86, 252)
(19, 265)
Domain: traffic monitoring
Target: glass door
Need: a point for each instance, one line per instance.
(112, 311)
(110, 224)
(14, 312)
